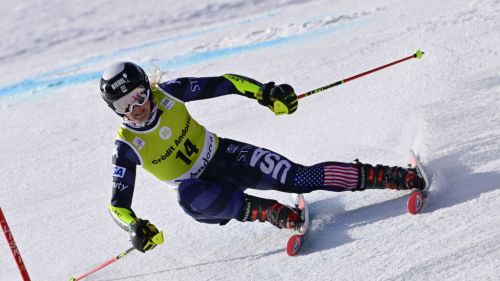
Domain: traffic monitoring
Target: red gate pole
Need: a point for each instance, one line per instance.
(13, 247)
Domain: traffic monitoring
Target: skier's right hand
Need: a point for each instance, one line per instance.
(144, 235)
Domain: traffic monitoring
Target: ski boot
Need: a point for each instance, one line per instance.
(279, 215)
(385, 177)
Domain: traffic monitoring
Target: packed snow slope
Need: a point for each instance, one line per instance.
(57, 134)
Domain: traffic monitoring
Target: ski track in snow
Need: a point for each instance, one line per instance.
(445, 106)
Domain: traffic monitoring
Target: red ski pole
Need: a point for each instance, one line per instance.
(418, 54)
(121, 255)
(13, 247)
(157, 239)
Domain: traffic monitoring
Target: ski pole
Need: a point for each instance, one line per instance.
(157, 239)
(119, 256)
(418, 54)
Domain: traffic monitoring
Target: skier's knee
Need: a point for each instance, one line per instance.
(206, 200)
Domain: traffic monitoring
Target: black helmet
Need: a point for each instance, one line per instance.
(120, 79)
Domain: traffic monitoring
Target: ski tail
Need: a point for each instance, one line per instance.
(295, 241)
(417, 198)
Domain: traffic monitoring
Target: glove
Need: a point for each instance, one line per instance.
(281, 99)
(144, 235)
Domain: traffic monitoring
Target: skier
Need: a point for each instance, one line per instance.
(212, 172)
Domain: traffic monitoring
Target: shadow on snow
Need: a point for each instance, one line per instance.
(452, 183)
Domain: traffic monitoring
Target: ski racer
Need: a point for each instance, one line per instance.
(212, 172)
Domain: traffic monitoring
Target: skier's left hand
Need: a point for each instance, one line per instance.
(144, 235)
(281, 99)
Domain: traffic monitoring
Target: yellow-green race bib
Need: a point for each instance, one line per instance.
(178, 147)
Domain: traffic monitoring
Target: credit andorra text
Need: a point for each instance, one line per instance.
(164, 157)
(183, 132)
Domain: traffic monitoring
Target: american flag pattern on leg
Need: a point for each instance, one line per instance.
(339, 175)
(332, 176)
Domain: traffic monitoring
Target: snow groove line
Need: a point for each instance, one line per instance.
(202, 264)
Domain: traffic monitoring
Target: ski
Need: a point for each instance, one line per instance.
(417, 198)
(295, 241)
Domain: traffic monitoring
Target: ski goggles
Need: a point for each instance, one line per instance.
(125, 104)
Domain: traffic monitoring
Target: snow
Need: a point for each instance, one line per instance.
(57, 134)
